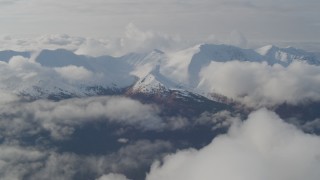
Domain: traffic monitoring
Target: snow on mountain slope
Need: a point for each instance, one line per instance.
(154, 82)
(246, 74)
(23, 77)
(138, 59)
(180, 70)
(217, 53)
(144, 63)
(111, 71)
(147, 70)
(176, 65)
(285, 56)
(64, 72)
(184, 66)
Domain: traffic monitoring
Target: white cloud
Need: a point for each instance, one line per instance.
(140, 153)
(132, 39)
(22, 75)
(221, 119)
(258, 84)
(37, 43)
(138, 40)
(254, 84)
(175, 123)
(38, 163)
(20, 162)
(16, 161)
(61, 118)
(59, 40)
(112, 176)
(95, 47)
(262, 147)
(7, 97)
(17, 61)
(311, 126)
(74, 73)
(123, 140)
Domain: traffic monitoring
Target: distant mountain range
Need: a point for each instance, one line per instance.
(145, 72)
(156, 76)
(121, 114)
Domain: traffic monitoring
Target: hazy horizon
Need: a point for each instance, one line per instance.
(259, 20)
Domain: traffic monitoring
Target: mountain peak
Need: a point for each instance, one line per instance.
(266, 49)
(157, 51)
(285, 56)
(154, 69)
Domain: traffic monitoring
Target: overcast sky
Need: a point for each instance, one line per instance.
(267, 20)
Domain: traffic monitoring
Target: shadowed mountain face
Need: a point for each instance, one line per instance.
(5, 56)
(61, 58)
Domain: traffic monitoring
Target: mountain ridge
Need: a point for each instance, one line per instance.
(145, 72)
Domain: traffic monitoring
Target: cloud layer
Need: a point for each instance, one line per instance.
(36, 163)
(112, 176)
(133, 39)
(61, 118)
(259, 84)
(262, 147)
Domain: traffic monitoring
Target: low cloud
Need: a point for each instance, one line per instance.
(311, 126)
(74, 73)
(140, 153)
(59, 40)
(113, 176)
(259, 84)
(17, 161)
(37, 163)
(95, 47)
(221, 119)
(37, 43)
(61, 118)
(262, 147)
(138, 40)
(23, 76)
(133, 39)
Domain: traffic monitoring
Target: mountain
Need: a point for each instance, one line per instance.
(153, 72)
(6, 55)
(285, 56)
(59, 74)
(114, 132)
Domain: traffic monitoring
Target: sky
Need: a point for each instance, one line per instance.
(258, 20)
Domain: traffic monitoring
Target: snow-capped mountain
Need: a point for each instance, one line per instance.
(62, 72)
(285, 56)
(167, 82)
